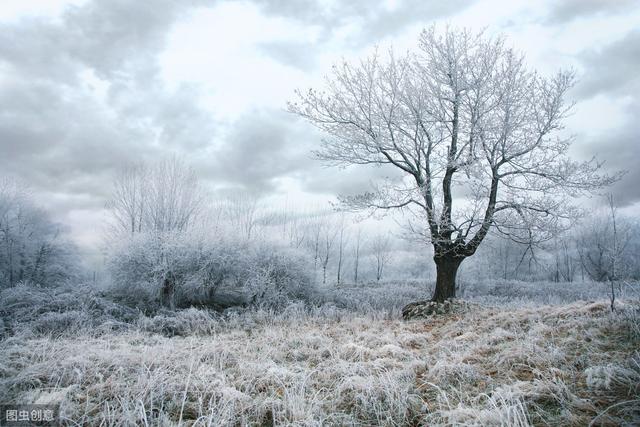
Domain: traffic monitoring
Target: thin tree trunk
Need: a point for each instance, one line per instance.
(355, 269)
(340, 254)
(167, 292)
(357, 258)
(324, 274)
(325, 263)
(10, 252)
(613, 296)
(446, 272)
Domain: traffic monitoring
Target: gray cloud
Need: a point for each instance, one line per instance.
(57, 133)
(373, 21)
(613, 69)
(620, 150)
(262, 146)
(50, 138)
(612, 73)
(119, 37)
(568, 10)
(375, 18)
(295, 54)
(381, 23)
(266, 145)
(66, 134)
(348, 181)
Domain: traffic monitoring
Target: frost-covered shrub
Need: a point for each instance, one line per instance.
(385, 399)
(191, 321)
(629, 316)
(517, 293)
(498, 409)
(377, 297)
(455, 374)
(279, 275)
(56, 323)
(141, 266)
(60, 310)
(191, 269)
(606, 377)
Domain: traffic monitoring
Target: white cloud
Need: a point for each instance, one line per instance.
(221, 49)
(18, 9)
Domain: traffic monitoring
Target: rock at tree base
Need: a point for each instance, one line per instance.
(427, 308)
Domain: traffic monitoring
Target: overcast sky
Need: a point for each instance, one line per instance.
(88, 87)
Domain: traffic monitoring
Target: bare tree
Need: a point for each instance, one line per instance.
(461, 117)
(592, 248)
(356, 255)
(314, 229)
(162, 197)
(328, 236)
(602, 244)
(619, 240)
(565, 262)
(382, 253)
(342, 241)
(127, 203)
(242, 212)
(175, 198)
(505, 254)
(293, 229)
(315, 243)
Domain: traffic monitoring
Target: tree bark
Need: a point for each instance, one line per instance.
(446, 271)
(167, 292)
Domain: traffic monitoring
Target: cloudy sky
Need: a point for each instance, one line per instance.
(90, 86)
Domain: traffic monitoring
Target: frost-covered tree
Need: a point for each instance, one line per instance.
(157, 201)
(241, 210)
(474, 133)
(381, 247)
(33, 248)
(162, 197)
(357, 249)
(603, 242)
(329, 232)
(342, 242)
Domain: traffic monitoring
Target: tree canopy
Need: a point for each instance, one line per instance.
(475, 133)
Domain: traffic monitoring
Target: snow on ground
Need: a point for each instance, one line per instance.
(564, 364)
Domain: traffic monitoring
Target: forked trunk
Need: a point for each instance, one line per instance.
(446, 271)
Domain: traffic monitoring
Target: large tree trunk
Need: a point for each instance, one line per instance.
(446, 271)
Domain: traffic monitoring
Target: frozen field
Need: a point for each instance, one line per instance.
(570, 363)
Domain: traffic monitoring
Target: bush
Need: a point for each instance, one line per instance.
(57, 324)
(181, 323)
(388, 296)
(278, 275)
(180, 270)
(28, 308)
